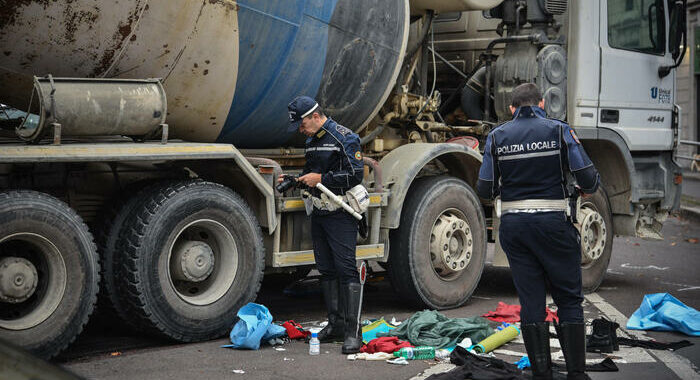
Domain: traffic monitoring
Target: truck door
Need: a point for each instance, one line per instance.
(634, 101)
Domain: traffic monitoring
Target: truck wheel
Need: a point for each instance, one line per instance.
(49, 272)
(193, 255)
(109, 307)
(595, 227)
(438, 251)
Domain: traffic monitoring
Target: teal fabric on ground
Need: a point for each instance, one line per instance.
(663, 312)
(370, 331)
(430, 328)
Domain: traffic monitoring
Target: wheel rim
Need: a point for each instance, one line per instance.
(593, 234)
(33, 262)
(451, 244)
(202, 262)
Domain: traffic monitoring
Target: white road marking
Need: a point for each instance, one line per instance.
(683, 288)
(681, 366)
(630, 266)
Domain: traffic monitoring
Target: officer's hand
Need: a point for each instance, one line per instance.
(280, 178)
(310, 179)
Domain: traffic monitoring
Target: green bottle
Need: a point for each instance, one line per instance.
(416, 353)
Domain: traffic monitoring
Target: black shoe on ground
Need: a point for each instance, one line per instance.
(603, 339)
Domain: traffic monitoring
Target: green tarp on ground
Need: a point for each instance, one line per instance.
(430, 328)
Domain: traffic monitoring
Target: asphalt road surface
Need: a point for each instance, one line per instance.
(637, 267)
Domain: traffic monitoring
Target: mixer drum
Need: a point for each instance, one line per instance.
(229, 68)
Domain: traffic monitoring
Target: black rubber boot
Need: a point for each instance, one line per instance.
(335, 329)
(572, 337)
(536, 337)
(353, 305)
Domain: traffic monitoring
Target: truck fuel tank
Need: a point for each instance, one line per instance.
(95, 107)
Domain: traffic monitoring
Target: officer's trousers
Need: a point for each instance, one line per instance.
(544, 247)
(335, 239)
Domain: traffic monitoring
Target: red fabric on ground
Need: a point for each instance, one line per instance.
(511, 314)
(295, 331)
(387, 344)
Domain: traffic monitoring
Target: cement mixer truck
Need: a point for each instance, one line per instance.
(140, 141)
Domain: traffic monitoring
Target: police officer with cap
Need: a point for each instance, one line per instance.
(526, 162)
(333, 158)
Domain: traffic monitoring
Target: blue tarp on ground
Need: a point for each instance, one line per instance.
(663, 312)
(254, 324)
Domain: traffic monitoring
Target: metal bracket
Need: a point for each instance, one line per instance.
(56, 133)
(164, 133)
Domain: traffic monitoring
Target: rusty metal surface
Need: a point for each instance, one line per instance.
(191, 45)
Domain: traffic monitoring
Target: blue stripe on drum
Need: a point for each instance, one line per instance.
(283, 46)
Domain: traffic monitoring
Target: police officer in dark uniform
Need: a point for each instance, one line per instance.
(526, 162)
(333, 158)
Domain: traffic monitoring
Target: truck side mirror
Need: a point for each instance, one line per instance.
(677, 36)
(677, 28)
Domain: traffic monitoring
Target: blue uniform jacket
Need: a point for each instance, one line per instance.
(334, 152)
(529, 156)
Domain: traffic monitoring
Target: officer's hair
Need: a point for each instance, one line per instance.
(526, 94)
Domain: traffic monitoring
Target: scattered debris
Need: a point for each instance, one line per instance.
(280, 349)
(511, 314)
(370, 357)
(394, 321)
(398, 361)
(523, 363)
(692, 240)
(288, 359)
(115, 353)
(240, 371)
(466, 343)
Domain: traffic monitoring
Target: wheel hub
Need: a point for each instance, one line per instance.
(593, 235)
(194, 261)
(451, 244)
(18, 279)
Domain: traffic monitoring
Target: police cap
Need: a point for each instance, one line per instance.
(299, 108)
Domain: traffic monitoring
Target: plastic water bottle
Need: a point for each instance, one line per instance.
(442, 354)
(314, 344)
(416, 353)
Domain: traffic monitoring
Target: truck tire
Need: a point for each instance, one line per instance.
(438, 252)
(192, 256)
(49, 272)
(114, 216)
(595, 227)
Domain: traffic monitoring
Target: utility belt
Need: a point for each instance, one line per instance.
(356, 197)
(321, 203)
(537, 205)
